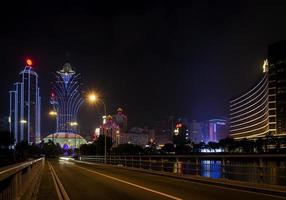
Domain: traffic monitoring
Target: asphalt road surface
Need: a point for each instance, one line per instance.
(83, 182)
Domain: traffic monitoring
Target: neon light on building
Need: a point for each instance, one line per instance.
(66, 99)
(25, 107)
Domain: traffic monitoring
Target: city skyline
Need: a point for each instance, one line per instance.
(186, 69)
(141, 99)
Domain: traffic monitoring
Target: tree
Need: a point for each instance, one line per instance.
(213, 146)
(152, 149)
(247, 146)
(228, 144)
(168, 148)
(6, 139)
(88, 149)
(259, 144)
(127, 149)
(22, 150)
(183, 149)
(198, 147)
(34, 151)
(100, 144)
(50, 149)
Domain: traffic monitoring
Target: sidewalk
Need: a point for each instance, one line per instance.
(47, 190)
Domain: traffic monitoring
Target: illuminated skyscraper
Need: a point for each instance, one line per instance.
(25, 103)
(261, 111)
(66, 99)
(277, 88)
(217, 130)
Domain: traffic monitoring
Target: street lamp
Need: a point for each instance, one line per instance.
(53, 114)
(92, 99)
(23, 121)
(74, 124)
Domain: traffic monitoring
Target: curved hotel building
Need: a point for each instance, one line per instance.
(249, 115)
(261, 111)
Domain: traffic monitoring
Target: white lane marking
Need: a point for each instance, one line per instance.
(55, 183)
(62, 194)
(198, 183)
(132, 184)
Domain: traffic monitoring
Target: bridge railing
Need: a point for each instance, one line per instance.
(20, 181)
(270, 169)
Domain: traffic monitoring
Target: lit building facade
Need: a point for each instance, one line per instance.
(66, 99)
(249, 116)
(261, 111)
(25, 107)
(218, 130)
(198, 131)
(277, 88)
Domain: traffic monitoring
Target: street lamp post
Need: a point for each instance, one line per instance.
(74, 124)
(92, 98)
(53, 114)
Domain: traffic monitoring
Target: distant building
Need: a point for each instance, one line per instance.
(197, 131)
(25, 104)
(137, 136)
(218, 130)
(121, 120)
(4, 124)
(261, 111)
(111, 129)
(163, 131)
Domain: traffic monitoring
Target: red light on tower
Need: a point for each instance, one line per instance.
(29, 62)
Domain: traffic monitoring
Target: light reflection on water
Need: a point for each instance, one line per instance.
(272, 173)
(211, 169)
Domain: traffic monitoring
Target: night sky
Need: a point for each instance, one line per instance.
(152, 59)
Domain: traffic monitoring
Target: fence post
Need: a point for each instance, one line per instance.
(132, 161)
(223, 167)
(261, 170)
(162, 164)
(150, 164)
(140, 162)
(197, 166)
(177, 164)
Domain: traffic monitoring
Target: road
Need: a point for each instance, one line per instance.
(83, 182)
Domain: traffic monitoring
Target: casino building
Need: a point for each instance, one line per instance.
(25, 107)
(261, 111)
(66, 100)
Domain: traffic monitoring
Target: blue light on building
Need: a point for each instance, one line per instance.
(66, 99)
(25, 107)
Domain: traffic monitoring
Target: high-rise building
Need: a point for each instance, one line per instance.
(249, 116)
(261, 111)
(277, 88)
(197, 131)
(25, 103)
(218, 130)
(66, 99)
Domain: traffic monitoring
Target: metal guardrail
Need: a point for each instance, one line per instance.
(269, 168)
(21, 181)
